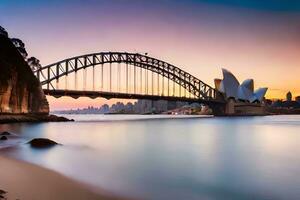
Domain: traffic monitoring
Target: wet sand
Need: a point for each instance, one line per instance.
(26, 181)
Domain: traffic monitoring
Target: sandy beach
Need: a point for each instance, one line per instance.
(26, 181)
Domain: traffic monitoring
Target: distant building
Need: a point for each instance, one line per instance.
(159, 106)
(289, 96)
(139, 107)
(297, 99)
(286, 104)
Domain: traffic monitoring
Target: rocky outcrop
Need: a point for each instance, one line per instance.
(3, 138)
(20, 91)
(2, 194)
(42, 143)
(5, 133)
(28, 117)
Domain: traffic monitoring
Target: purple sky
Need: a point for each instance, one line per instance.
(250, 38)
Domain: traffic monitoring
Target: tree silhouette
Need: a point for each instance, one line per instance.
(34, 63)
(19, 44)
(3, 31)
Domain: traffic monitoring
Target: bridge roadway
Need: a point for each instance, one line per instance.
(110, 95)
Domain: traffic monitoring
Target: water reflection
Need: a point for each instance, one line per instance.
(207, 158)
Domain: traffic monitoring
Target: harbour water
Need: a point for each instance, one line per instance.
(155, 157)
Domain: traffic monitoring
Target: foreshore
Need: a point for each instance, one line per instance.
(24, 181)
(15, 118)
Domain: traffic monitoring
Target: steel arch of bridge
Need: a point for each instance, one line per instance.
(202, 91)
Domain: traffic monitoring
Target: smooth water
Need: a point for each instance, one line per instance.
(161, 158)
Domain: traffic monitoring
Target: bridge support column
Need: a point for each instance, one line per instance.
(219, 109)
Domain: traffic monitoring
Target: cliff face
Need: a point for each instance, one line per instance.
(20, 91)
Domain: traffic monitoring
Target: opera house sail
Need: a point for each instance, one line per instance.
(241, 98)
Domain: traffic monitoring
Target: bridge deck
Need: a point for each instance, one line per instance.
(111, 95)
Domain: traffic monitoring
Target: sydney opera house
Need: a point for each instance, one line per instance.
(242, 99)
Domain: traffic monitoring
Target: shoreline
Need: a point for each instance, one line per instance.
(26, 181)
(38, 118)
(18, 118)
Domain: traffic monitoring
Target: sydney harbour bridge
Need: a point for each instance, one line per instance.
(126, 76)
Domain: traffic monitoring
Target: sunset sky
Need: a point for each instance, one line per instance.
(257, 39)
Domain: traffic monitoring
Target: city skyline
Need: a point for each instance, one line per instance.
(201, 37)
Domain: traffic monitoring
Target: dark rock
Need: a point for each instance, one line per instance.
(54, 118)
(16, 118)
(5, 133)
(42, 143)
(2, 192)
(3, 137)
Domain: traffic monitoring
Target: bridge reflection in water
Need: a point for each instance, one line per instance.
(126, 76)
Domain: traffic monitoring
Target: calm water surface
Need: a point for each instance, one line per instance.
(161, 158)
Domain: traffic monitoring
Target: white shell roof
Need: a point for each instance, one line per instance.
(230, 84)
(232, 89)
(244, 93)
(249, 84)
(259, 94)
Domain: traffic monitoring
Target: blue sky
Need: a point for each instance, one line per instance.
(271, 5)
